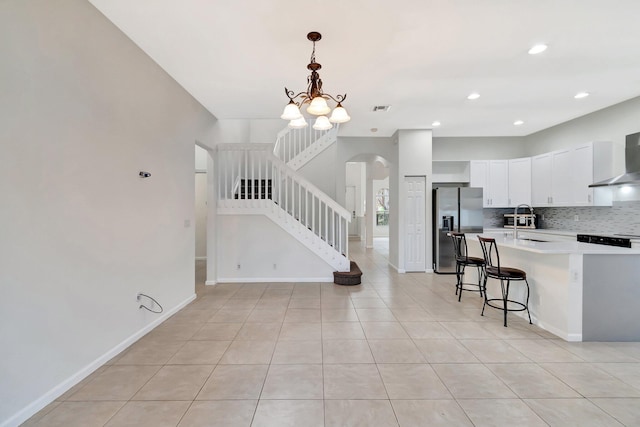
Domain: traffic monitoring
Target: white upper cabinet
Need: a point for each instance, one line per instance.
(541, 180)
(593, 162)
(493, 177)
(519, 181)
(558, 178)
(583, 175)
(562, 178)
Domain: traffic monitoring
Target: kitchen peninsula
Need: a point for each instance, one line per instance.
(579, 291)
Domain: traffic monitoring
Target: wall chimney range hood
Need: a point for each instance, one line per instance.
(632, 163)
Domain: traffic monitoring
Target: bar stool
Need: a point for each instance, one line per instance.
(463, 260)
(506, 275)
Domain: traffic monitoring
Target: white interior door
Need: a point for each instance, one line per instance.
(415, 241)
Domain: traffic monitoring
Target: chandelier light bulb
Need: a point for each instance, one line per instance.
(298, 123)
(322, 123)
(339, 115)
(291, 112)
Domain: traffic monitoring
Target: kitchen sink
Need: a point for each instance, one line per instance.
(532, 240)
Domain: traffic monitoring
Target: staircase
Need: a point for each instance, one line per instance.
(252, 180)
(296, 147)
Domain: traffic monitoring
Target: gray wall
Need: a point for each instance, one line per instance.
(82, 111)
(609, 124)
(478, 148)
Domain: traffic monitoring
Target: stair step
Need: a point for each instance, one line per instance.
(348, 278)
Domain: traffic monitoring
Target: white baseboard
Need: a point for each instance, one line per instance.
(273, 279)
(57, 391)
(398, 270)
(211, 282)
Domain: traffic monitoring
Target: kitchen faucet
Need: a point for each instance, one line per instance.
(515, 218)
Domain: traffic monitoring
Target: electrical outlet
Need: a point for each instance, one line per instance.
(576, 218)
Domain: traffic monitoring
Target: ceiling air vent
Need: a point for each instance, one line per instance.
(381, 108)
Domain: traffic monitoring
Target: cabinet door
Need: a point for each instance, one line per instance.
(479, 177)
(541, 180)
(499, 183)
(582, 170)
(562, 178)
(520, 181)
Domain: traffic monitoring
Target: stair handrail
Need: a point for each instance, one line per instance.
(307, 140)
(339, 209)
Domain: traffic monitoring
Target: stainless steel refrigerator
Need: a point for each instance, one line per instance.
(456, 209)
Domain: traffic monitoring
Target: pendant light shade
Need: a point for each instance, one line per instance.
(318, 107)
(322, 123)
(339, 115)
(298, 123)
(291, 112)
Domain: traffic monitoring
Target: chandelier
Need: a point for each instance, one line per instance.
(315, 97)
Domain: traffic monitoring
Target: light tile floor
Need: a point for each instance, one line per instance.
(398, 350)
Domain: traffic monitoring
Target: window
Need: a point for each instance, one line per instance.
(382, 207)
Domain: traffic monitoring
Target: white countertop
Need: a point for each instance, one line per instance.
(556, 232)
(572, 247)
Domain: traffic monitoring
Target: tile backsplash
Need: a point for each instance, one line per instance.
(623, 217)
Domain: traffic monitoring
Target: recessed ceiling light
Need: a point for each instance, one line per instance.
(518, 123)
(474, 95)
(581, 95)
(539, 48)
(435, 124)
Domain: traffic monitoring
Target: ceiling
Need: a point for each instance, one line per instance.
(422, 57)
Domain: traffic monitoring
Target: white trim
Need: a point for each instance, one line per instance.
(58, 390)
(211, 282)
(552, 329)
(201, 258)
(273, 279)
(429, 270)
(399, 270)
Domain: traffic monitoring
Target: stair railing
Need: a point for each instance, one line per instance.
(290, 143)
(291, 196)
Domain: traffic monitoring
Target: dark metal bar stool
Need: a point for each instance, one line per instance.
(463, 260)
(506, 275)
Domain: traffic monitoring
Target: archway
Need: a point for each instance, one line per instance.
(367, 196)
